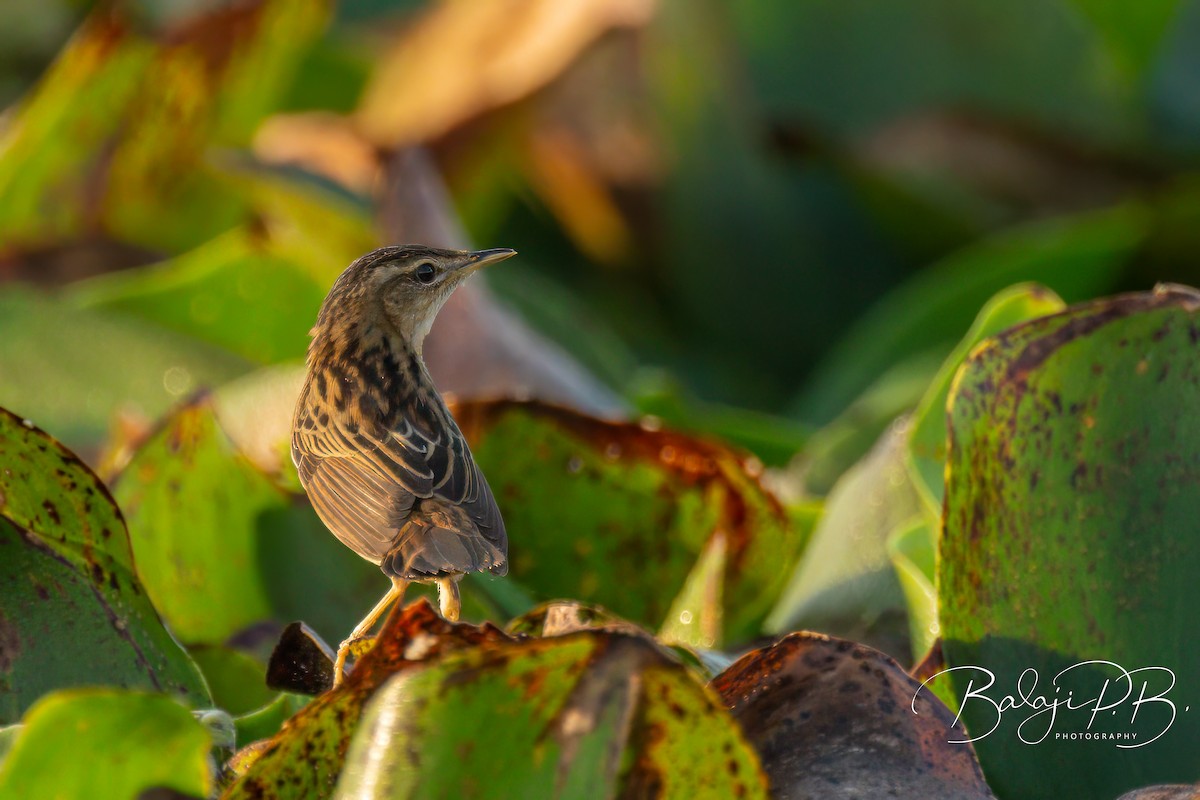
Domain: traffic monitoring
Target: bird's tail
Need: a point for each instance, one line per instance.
(439, 539)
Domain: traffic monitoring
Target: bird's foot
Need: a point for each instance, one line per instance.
(339, 666)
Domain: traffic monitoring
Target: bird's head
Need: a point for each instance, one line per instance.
(406, 285)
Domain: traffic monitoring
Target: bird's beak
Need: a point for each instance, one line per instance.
(481, 258)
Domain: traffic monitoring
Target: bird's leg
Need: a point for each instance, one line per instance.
(394, 595)
(448, 597)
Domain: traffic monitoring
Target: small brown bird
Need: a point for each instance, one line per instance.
(383, 462)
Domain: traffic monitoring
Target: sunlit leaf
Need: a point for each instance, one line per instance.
(617, 514)
(243, 291)
(1072, 495)
(572, 704)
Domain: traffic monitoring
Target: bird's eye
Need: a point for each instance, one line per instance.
(425, 273)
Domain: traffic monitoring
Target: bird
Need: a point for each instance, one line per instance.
(382, 460)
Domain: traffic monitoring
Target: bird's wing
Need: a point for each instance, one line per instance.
(364, 478)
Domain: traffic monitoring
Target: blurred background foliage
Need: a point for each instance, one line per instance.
(793, 209)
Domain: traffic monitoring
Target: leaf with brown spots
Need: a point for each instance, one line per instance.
(618, 514)
(832, 719)
(592, 714)
(1071, 534)
(74, 612)
(305, 758)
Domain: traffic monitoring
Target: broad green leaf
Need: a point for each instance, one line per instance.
(617, 514)
(1070, 535)
(845, 584)
(74, 369)
(222, 547)
(571, 706)
(1074, 256)
(927, 437)
(835, 719)
(244, 291)
(74, 612)
(106, 743)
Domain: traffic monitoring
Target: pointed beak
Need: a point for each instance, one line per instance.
(481, 258)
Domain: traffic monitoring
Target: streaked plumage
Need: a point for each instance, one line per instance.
(382, 460)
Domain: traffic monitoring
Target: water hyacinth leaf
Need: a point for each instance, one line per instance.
(617, 514)
(836, 719)
(104, 742)
(927, 437)
(78, 368)
(240, 549)
(74, 611)
(1072, 495)
(572, 705)
(305, 758)
(244, 291)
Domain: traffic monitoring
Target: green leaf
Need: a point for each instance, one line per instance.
(571, 705)
(101, 742)
(77, 368)
(244, 291)
(1070, 535)
(617, 514)
(222, 547)
(73, 612)
(927, 437)
(1076, 257)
